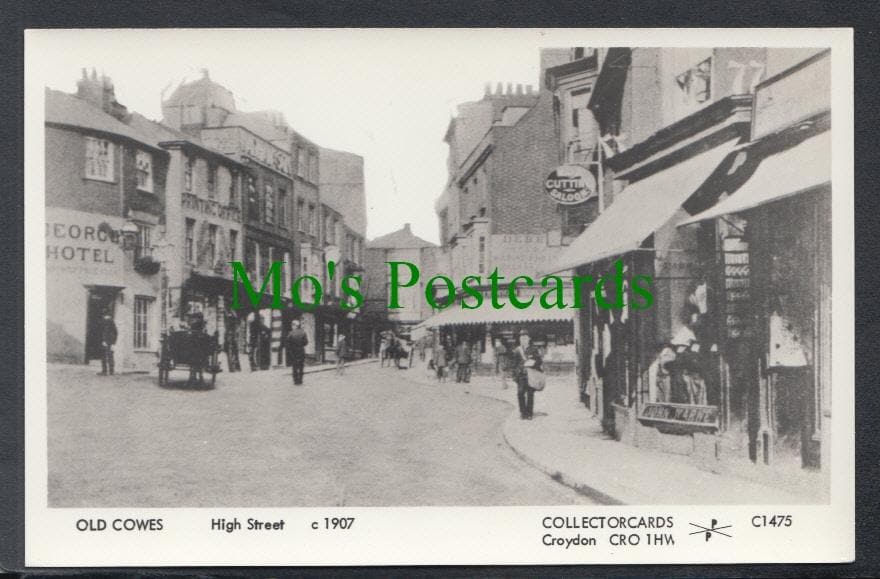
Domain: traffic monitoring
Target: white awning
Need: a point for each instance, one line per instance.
(805, 166)
(458, 316)
(641, 209)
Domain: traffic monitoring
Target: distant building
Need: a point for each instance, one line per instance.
(494, 212)
(401, 245)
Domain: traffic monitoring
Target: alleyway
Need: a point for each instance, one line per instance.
(374, 437)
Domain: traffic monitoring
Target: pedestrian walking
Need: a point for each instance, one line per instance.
(523, 358)
(341, 354)
(463, 361)
(500, 357)
(297, 340)
(440, 362)
(108, 342)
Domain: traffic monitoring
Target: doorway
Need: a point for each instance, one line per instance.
(101, 299)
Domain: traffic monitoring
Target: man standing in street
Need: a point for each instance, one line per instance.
(522, 357)
(297, 340)
(108, 341)
(463, 359)
(341, 354)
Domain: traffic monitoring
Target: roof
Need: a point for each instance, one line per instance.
(256, 123)
(202, 91)
(401, 239)
(69, 110)
(801, 168)
(641, 209)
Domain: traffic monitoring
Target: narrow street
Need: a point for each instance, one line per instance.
(374, 437)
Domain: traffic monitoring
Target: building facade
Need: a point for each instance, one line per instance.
(105, 195)
(719, 367)
(494, 212)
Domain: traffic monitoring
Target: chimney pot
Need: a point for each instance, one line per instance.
(510, 88)
(519, 88)
(406, 227)
(499, 89)
(487, 89)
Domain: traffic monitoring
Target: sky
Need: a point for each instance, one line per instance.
(387, 95)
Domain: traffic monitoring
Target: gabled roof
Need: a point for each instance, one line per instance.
(400, 239)
(69, 110)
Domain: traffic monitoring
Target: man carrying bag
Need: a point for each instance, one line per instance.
(527, 371)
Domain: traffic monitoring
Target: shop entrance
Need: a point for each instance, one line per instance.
(100, 299)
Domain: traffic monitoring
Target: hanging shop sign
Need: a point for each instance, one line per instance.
(570, 184)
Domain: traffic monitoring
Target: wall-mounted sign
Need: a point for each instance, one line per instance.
(669, 417)
(570, 184)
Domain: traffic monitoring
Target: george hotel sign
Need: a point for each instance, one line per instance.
(570, 184)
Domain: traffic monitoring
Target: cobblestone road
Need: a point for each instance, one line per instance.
(373, 437)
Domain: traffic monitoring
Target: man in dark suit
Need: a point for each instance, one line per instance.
(297, 340)
(524, 356)
(108, 341)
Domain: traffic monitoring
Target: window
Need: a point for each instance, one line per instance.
(482, 256)
(301, 162)
(313, 222)
(187, 174)
(190, 240)
(233, 188)
(282, 208)
(212, 245)
(301, 215)
(212, 180)
(144, 166)
(143, 246)
(253, 202)
(99, 159)
(270, 203)
(250, 257)
(233, 245)
(142, 306)
(696, 83)
(313, 167)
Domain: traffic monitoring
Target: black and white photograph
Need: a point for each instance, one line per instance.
(310, 271)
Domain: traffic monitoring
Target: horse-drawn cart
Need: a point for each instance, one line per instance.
(190, 350)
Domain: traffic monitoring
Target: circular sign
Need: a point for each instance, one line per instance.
(570, 184)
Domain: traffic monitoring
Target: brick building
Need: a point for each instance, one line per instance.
(207, 110)
(105, 195)
(494, 213)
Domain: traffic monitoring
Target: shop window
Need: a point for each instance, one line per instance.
(190, 240)
(99, 159)
(144, 167)
(141, 326)
(188, 174)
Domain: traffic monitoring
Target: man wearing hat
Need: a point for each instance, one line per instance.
(524, 356)
(297, 340)
(108, 341)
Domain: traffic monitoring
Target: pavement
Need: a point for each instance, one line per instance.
(566, 442)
